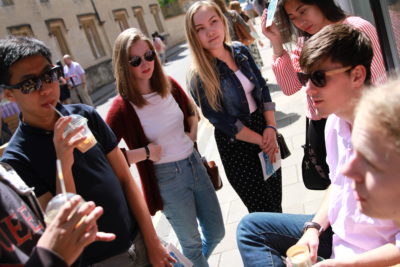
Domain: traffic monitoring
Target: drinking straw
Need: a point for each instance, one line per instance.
(61, 179)
(59, 113)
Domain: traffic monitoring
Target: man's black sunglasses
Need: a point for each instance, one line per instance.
(318, 77)
(33, 84)
(148, 56)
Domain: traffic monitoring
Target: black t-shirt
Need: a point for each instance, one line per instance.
(31, 153)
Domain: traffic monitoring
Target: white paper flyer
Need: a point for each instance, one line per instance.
(268, 167)
(181, 260)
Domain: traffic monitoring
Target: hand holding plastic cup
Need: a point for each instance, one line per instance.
(77, 121)
(298, 256)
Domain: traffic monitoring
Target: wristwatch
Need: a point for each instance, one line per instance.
(313, 225)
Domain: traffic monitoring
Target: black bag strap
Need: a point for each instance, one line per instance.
(307, 125)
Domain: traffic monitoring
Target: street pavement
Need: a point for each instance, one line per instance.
(290, 116)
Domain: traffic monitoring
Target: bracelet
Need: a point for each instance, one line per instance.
(147, 152)
(314, 225)
(272, 127)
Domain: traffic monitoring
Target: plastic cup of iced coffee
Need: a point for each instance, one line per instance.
(55, 204)
(298, 256)
(77, 121)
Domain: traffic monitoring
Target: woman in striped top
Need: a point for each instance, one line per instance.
(297, 20)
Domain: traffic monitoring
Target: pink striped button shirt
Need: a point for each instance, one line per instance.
(285, 67)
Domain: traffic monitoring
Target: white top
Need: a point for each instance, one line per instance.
(248, 88)
(354, 232)
(162, 122)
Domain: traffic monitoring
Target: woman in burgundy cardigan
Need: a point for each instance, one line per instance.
(159, 125)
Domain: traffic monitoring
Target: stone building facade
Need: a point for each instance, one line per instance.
(86, 29)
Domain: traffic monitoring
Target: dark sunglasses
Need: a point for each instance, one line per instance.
(148, 56)
(33, 84)
(318, 77)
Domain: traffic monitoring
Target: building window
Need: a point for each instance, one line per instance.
(92, 35)
(6, 2)
(155, 10)
(121, 17)
(57, 29)
(138, 12)
(21, 30)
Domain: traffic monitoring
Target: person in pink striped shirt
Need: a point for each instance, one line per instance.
(297, 21)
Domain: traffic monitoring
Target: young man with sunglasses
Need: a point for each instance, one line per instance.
(336, 63)
(100, 174)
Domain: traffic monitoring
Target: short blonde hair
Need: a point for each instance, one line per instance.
(126, 84)
(203, 62)
(379, 108)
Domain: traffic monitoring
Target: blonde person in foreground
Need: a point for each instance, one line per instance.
(374, 166)
(227, 84)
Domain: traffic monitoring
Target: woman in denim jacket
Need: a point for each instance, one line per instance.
(226, 83)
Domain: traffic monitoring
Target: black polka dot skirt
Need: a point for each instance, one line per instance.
(243, 170)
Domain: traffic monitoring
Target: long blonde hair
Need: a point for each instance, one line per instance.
(126, 83)
(203, 62)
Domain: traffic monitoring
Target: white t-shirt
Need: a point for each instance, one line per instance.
(162, 122)
(248, 89)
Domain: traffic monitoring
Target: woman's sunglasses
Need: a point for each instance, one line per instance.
(148, 56)
(33, 84)
(318, 77)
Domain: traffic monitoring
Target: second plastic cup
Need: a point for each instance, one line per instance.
(298, 256)
(55, 204)
(77, 121)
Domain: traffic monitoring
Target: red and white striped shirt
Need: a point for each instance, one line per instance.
(285, 67)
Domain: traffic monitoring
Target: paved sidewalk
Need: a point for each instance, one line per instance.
(290, 117)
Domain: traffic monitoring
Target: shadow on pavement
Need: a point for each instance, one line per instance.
(273, 87)
(283, 119)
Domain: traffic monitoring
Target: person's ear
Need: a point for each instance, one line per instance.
(358, 75)
(9, 94)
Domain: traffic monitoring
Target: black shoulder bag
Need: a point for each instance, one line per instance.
(314, 176)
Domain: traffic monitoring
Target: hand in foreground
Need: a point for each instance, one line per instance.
(159, 256)
(155, 152)
(73, 229)
(310, 239)
(269, 144)
(64, 146)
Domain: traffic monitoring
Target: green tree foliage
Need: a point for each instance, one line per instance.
(164, 3)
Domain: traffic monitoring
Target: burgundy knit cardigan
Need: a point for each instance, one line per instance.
(125, 123)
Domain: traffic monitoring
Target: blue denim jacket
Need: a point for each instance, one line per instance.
(234, 111)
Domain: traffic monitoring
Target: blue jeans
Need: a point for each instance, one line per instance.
(188, 195)
(264, 237)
